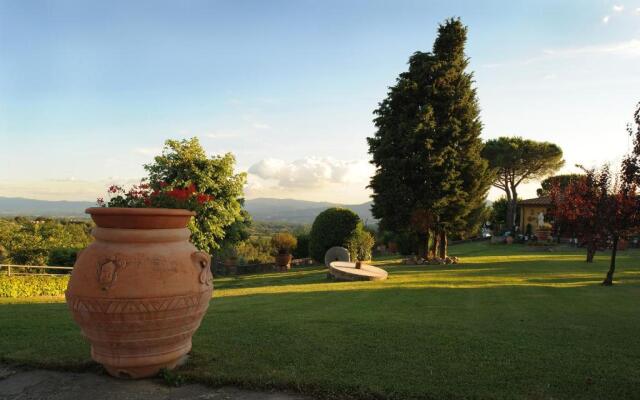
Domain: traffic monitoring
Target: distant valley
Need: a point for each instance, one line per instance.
(261, 209)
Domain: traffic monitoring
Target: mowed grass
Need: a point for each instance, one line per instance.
(507, 323)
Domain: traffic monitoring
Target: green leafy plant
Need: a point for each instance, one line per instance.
(360, 243)
(255, 250)
(302, 249)
(171, 378)
(185, 162)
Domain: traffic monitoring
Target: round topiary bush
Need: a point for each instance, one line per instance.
(332, 227)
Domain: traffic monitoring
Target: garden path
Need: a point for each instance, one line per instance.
(26, 384)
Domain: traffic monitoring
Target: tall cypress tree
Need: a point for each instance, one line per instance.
(430, 177)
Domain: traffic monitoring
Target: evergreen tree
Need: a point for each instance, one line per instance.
(430, 177)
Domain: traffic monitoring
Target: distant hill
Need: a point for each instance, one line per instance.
(264, 209)
(299, 211)
(12, 206)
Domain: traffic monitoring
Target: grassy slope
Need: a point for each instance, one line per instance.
(505, 324)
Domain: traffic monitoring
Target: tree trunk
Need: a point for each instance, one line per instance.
(433, 249)
(514, 209)
(423, 245)
(509, 217)
(442, 246)
(608, 281)
(591, 251)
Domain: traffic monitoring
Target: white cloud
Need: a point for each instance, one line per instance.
(638, 11)
(312, 172)
(605, 19)
(618, 8)
(629, 48)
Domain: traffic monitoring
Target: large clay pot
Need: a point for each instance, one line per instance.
(543, 234)
(283, 261)
(140, 290)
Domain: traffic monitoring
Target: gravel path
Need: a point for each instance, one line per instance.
(26, 384)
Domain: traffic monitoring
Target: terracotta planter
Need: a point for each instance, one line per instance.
(283, 261)
(140, 290)
(543, 234)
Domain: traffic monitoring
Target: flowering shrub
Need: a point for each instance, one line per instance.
(161, 195)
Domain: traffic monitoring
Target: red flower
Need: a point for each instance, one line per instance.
(114, 189)
(203, 198)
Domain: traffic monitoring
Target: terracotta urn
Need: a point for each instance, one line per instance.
(283, 261)
(140, 290)
(543, 234)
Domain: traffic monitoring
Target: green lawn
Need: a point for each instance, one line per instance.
(507, 323)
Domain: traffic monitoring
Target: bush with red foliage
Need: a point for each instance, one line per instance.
(601, 208)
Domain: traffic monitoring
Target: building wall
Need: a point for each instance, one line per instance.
(529, 215)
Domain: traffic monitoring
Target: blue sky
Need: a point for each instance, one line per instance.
(89, 91)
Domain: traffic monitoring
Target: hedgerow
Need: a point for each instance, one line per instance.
(32, 286)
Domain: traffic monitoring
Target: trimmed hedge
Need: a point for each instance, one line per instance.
(332, 227)
(33, 286)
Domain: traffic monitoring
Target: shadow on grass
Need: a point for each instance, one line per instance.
(490, 342)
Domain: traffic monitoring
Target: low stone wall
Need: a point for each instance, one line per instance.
(222, 268)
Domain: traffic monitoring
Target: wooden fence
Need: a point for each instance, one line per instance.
(13, 270)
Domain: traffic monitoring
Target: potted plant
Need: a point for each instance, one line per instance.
(141, 289)
(283, 244)
(543, 233)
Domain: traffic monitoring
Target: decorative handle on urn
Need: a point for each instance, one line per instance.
(107, 271)
(203, 261)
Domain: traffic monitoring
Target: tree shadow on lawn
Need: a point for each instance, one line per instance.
(492, 342)
(553, 272)
(299, 276)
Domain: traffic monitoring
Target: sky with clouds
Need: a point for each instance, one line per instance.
(89, 91)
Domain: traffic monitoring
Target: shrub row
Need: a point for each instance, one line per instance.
(32, 286)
